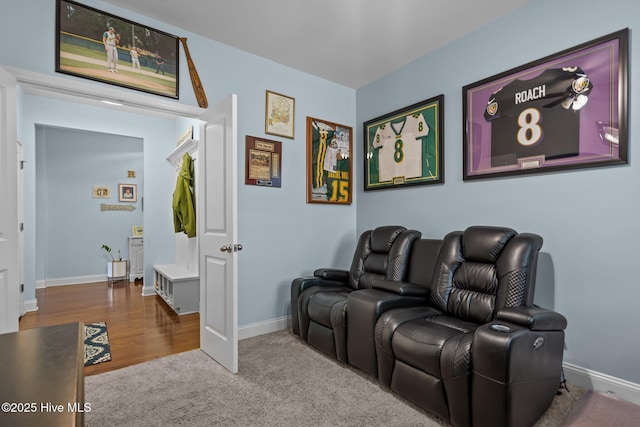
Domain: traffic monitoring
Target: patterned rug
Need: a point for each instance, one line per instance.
(96, 343)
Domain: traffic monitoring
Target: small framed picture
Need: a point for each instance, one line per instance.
(280, 115)
(138, 230)
(101, 192)
(263, 162)
(127, 192)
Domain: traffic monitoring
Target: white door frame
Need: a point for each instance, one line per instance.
(76, 91)
(9, 262)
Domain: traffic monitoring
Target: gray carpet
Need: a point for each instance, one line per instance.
(281, 382)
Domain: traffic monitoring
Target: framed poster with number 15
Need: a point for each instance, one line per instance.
(405, 147)
(328, 162)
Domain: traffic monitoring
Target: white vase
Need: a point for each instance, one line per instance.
(117, 268)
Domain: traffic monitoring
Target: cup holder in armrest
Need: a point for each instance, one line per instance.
(500, 328)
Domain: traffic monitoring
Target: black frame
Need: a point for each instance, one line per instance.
(432, 146)
(79, 33)
(597, 137)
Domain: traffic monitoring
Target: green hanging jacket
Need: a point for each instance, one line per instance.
(184, 214)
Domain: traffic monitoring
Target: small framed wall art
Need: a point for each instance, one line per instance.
(405, 147)
(263, 162)
(101, 192)
(280, 115)
(127, 192)
(329, 168)
(564, 111)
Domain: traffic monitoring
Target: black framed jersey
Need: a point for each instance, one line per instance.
(538, 117)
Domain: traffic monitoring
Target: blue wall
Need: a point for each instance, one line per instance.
(70, 222)
(283, 236)
(159, 137)
(588, 218)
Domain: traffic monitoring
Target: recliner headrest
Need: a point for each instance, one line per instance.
(484, 244)
(382, 237)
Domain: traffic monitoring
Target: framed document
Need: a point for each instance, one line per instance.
(565, 111)
(279, 115)
(263, 162)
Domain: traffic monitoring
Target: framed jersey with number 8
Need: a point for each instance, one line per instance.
(405, 147)
(568, 110)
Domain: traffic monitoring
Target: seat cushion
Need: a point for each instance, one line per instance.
(321, 305)
(437, 345)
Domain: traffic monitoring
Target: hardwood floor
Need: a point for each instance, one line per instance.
(140, 328)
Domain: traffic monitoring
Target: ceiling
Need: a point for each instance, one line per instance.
(349, 42)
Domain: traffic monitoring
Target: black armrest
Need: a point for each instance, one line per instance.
(533, 318)
(333, 274)
(401, 288)
(301, 284)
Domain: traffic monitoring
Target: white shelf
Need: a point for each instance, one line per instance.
(189, 146)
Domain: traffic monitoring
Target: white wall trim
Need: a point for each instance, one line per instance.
(266, 327)
(31, 305)
(148, 291)
(91, 93)
(78, 280)
(600, 382)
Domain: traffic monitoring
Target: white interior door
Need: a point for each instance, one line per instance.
(217, 213)
(9, 271)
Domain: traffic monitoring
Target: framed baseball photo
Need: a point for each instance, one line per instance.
(565, 111)
(405, 147)
(99, 46)
(329, 168)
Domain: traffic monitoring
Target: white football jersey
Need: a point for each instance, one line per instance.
(400, 146)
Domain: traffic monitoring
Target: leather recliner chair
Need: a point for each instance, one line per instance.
(367, 305)
(319, 302)
(479, 353)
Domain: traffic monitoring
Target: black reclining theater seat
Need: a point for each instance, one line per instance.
(319, 302)
(366, 305)
(478, 353)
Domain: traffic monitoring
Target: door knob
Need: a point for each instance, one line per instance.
(230, 248)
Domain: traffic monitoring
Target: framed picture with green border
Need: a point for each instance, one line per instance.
(405, 147)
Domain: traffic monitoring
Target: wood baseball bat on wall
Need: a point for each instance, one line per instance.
(195, 78)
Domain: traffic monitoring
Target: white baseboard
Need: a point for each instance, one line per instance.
(30, 305)
(78, 280)
(266, 327)
(148, 291)
(603, 383)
